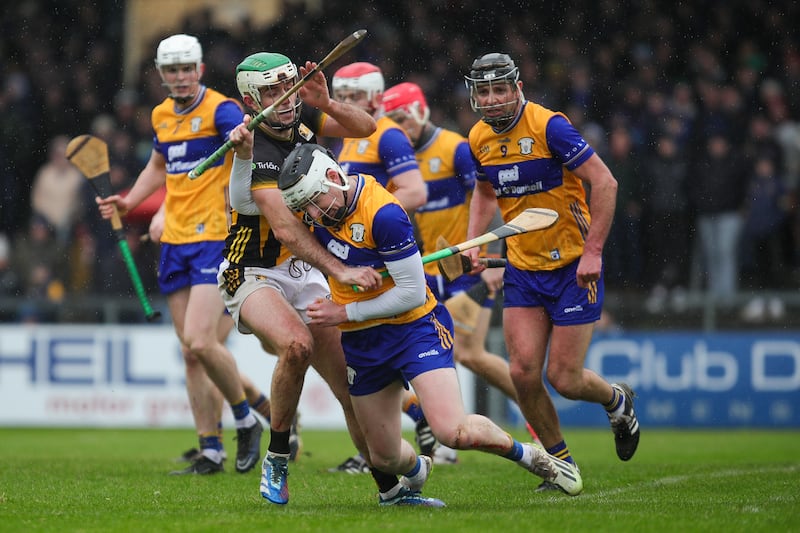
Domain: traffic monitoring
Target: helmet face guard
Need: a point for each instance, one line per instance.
(487, 71)
(266, 69)
(358, 77)
(303, 179)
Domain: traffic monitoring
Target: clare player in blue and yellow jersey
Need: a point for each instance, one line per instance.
(530, 156)
(187, 127)
(396, 334)
(387, 154)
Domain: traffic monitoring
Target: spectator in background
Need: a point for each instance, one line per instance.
(39, 261)
(666, 224)
(761, 253)
(623, 252)
(9, 280)
(57, 194)
(716, 193)
(786, 130)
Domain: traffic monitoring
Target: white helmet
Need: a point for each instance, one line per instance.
(359, 76)
(303, 178)
(179, 49)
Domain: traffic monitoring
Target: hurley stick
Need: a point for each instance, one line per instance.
(339, 50)
(465, 307)
(532, 219)
(457, 265)
(90, 155)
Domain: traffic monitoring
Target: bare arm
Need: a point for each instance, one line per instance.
(298, 239)
(153, 176)
(601, 208)
(409, 188)
(482, 209)
(345, 120)
(156, 228)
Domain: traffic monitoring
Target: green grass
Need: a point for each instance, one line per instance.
(115, 480)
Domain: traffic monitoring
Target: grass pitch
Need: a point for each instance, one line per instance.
(92, 480)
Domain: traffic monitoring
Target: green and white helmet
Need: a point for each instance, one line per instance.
(263, 69)
(180, 49)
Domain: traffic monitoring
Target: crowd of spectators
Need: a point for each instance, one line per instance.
(695, 106)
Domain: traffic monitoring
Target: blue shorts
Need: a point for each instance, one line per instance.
(184, 265)
(555, 290)
(443, 289)
(380, 355)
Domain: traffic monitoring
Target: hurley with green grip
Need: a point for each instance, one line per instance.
(531, 219)
(90, 155)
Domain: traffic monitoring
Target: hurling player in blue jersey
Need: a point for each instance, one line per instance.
(396, 333)
(449, 171)
(187, 126)
(386, 155)
(529, 156)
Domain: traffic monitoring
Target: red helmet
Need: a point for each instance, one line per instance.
(359, 76)
(406, 98)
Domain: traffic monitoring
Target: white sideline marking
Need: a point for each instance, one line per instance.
(672, 480)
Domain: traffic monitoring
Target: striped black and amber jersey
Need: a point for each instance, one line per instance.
(250, 240)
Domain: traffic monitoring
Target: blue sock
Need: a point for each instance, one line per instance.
(413, 409)
(561, 451)
(415, 470)
(240, 410)
(516, 451)
(210, 442)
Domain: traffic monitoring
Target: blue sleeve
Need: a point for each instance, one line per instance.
(480, 175)
(566, 144)
(396, 152)
(393, 233)
(227, 116)
(464, 164)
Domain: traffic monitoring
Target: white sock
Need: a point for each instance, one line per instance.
(421, 474)
(213, 454)
(246, 422)
(392, 492)
(619, 411)
(527, 456)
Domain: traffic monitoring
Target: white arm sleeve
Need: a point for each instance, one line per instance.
(409, 292)
(239, 186)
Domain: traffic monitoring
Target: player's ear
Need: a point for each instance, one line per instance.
(333, 176)
(201, 70)
(248, 101)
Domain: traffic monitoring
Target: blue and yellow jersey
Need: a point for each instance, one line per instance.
(449, 173)
(376, 230)
(529, 165)
(196, 209)
(250, 241)
(383, 155)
